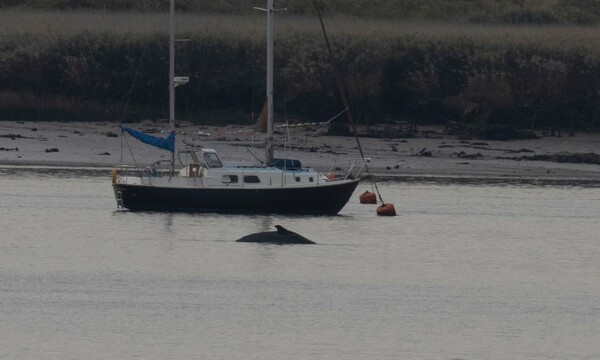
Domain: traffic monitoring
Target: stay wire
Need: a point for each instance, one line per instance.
(344, 97)
(130, 152)
(129, 93)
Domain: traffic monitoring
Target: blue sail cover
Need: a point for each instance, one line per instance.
(167, 143)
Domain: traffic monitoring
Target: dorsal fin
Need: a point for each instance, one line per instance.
(281, 229)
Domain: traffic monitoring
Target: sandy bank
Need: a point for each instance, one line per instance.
(101, 145)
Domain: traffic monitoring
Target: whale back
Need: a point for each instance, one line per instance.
(280, 237)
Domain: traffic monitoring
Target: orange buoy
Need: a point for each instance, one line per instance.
(386, 210)
(368, 198)
(330, 176)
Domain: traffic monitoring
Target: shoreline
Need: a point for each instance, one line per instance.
(381, 178)
(100, 145)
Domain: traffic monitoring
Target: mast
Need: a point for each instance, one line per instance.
(269, 139)
(172, 77)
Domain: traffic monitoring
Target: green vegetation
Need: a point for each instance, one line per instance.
(81, 65)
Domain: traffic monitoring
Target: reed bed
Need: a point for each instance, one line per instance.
(534, 76)
(53, 24)
(498, 11)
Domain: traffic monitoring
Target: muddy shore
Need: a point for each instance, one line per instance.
(431, 154)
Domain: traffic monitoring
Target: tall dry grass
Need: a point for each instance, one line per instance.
(423, 70)
(470, 11)
(53, 24)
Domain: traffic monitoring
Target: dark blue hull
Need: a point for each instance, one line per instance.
(316, 200)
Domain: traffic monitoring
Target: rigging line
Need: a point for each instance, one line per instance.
(329, 121)
(344, 97)
(121, 161)
(137, 73)
(130, 151)
(130, 92)
(288, 141)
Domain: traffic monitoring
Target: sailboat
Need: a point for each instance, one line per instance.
(198, 180)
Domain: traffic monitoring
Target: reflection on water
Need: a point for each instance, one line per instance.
(469, 270)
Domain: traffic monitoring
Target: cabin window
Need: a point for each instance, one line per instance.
(297, 178)
(230, 179)
(311, 179)
(212, 160)
(251, 179)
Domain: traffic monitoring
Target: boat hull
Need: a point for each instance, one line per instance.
(314, 200)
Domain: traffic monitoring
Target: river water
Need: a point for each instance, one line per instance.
(473, 270)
